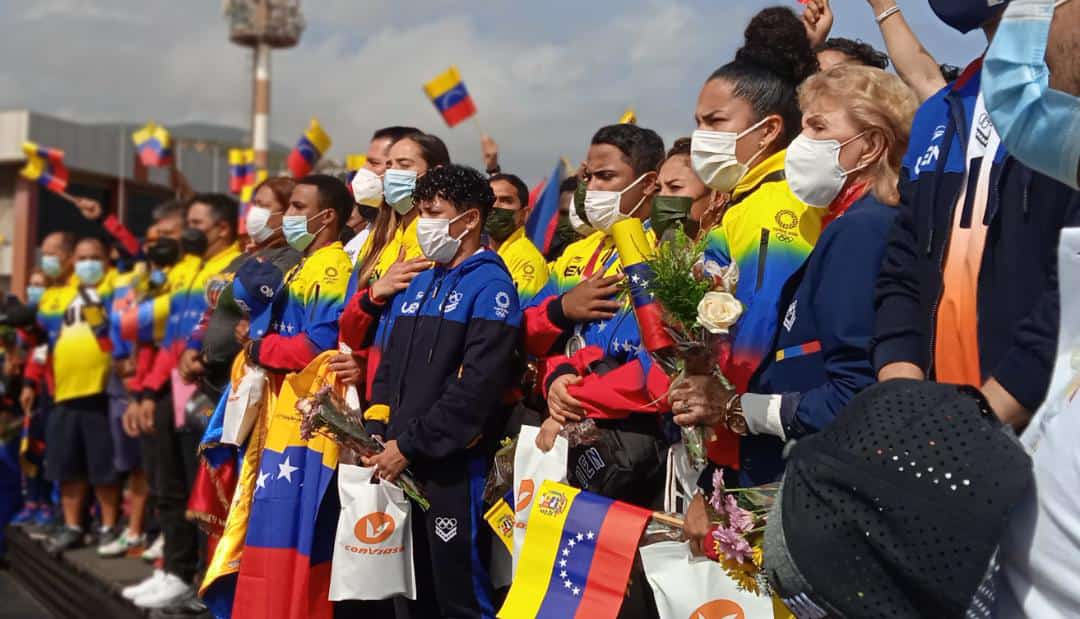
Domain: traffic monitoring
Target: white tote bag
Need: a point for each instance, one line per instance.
(533, 467)
(243, 406)
(688, 586)
(373, 551)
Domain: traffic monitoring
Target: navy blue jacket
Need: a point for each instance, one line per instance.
(1017, 287)
(820, 357)
(450, 355)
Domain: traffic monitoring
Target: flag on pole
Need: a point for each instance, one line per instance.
(154, 145)
(451, 98)
(544, 217)
(241, 168)
(308, 150)
(628, 117)
(46, 166)
(578, 551)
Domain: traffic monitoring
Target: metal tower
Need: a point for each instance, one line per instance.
(263, 25)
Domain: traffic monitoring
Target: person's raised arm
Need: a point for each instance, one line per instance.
(912, 62)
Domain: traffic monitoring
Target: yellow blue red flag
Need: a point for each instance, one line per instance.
(308, 150)
(241, 168)
(451, 98)
(500, 517)
(285, 567)
(46, 166)
(353, 162)
(154, 145)
(576, 560)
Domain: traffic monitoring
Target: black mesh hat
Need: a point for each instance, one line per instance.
(895, 509)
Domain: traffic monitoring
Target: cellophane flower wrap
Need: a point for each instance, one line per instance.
(325, 412)
(685, 307)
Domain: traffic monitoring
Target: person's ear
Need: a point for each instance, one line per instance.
(651, 183)
(876, 149)
(772, 130)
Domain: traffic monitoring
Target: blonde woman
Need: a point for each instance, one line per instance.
(856, 122)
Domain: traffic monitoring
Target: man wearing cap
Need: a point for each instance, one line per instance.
(967, 291)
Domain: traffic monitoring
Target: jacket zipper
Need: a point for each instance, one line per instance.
(763, 254)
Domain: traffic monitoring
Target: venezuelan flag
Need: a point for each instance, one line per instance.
(500, 517)
(544, 218)
(308, 150)
(154, 145)
(285, 568)
(353, 162)
(451, 98)
(576, 560)
(634, 249)
(241, 168)
(46, 166)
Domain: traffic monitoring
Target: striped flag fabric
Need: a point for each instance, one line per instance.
(46, 166)
(241, 168)
(450, 97)
(544, 217)
(154, 145)
(308, 150)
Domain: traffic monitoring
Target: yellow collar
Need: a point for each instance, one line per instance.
(510, 240)
(773, 163)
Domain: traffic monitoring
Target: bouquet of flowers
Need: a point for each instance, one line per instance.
(735, 540)
(689, 335)
(325, 412)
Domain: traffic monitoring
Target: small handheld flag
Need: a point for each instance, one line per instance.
(308, 150)
(154, 145)
(628, 117)
(46, 166)
(451, 98)
(241, 168)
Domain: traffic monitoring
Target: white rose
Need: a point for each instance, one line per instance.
(717, 311)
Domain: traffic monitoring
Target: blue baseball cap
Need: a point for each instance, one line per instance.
(255, 285)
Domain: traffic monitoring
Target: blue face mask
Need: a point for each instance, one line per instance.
(89, 272)
(1039, 126)
(34, 294)
(398, 186)
(966, 15)
(51, 265)
(294, 227)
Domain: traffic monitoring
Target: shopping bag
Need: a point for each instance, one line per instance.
(680, 483)
(243, 406)
(1065, 381)
(373, 547)
(533, 467)
(688, 586)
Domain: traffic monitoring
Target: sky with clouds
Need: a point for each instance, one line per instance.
(544, 75)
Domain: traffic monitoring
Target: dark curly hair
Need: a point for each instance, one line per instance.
(858, 50)
(642, 148)
(774, 59)
(464, 187)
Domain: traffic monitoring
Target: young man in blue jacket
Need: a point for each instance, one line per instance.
(967, 292)
(450, 353)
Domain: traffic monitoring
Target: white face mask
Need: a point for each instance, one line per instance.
(435, 240)
(712, 155)
(813, 170)
(367, 188)
(602, 207)
(256, 221)
(579, 225)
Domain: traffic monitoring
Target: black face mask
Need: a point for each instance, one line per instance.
(500, 224)
(163, 252)
(368, 212)
(194, 241)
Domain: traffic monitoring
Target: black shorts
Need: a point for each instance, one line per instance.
(78, 442)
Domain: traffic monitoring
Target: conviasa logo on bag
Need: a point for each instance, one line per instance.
(524, 494)
(374, 528)
(718, 609)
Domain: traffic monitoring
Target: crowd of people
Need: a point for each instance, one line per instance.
(896, 228)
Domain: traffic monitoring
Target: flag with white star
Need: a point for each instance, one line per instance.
(578, 551)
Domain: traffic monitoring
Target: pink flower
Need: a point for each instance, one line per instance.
(739, 519)
(732, 544)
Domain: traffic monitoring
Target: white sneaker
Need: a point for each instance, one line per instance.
(135, 591)
(156, 550)
(169, 590)
(119, 546)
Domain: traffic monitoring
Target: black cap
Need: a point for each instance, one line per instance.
(895, 509)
